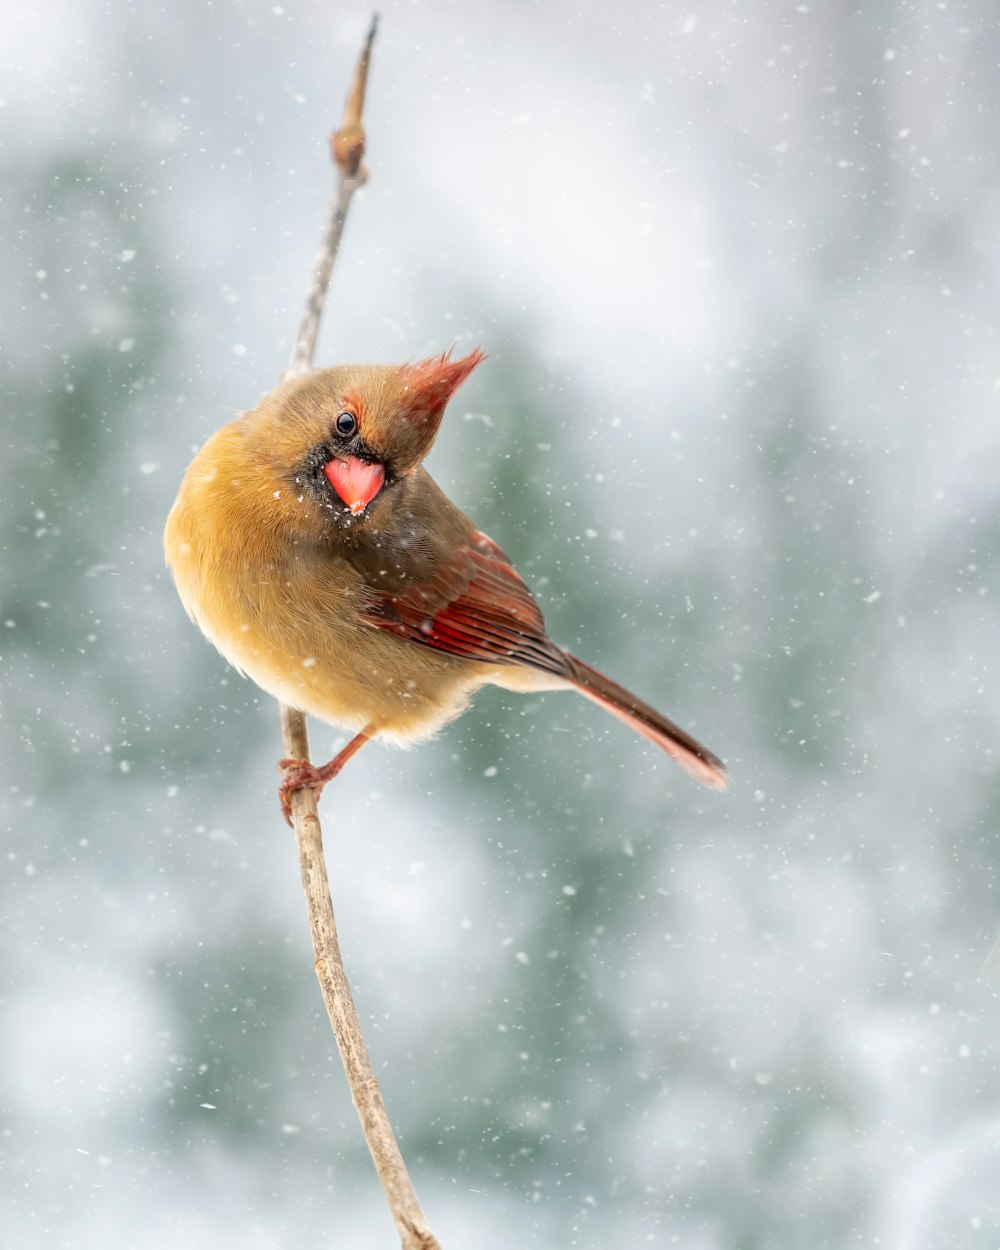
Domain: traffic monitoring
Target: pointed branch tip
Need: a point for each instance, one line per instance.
(348, 143)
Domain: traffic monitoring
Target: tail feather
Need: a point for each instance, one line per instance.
(695, 759)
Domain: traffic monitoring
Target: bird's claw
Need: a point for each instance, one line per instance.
(298, 775)
(302, 775)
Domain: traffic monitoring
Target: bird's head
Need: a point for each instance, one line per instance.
(350, 432)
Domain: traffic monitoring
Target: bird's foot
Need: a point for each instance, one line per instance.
(298, 775)
(301, 775)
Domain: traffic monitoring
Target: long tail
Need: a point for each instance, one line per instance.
(695, 759)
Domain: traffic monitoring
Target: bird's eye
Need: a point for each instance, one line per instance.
(346, 424)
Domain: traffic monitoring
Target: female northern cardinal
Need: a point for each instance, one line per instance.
(312, 547)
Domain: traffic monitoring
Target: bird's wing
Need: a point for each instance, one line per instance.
(474, 606)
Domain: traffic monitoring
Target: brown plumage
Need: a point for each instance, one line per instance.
(312, 547)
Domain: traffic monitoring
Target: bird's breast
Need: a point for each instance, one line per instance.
(290, 614)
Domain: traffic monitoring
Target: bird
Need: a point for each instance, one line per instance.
(312, 547)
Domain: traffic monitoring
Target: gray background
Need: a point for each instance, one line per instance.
(736, 267)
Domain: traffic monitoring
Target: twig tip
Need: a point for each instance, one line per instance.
(348, 143)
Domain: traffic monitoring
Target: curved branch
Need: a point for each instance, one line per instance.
(347, 146)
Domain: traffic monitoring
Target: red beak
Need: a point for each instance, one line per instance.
(356, 481)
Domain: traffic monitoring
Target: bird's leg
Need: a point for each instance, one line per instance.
(300, 774)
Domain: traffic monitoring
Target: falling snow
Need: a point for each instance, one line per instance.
(735, 270)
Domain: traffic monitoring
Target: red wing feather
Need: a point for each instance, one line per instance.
(476, 607)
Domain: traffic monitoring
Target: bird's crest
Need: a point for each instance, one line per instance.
(429, 384)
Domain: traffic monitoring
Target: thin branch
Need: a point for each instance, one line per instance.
(305, 343)
(347, 145)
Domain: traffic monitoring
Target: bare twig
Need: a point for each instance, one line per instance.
(347, 145)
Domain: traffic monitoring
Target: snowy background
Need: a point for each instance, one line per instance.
(736, 267)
